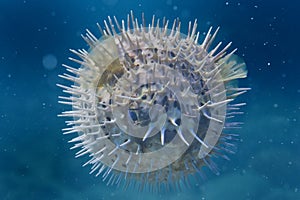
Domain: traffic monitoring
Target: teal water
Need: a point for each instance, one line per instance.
(35, 160)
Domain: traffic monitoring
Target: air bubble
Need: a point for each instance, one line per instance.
(49, 61)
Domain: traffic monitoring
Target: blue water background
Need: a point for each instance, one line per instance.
(35, 160)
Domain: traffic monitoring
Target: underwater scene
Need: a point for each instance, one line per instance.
(138, 99)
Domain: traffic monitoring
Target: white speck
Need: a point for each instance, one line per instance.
(49, 61)
(207, 23)
(275, 105)
(252, 18)
(9, 75)
(270, 140)
(175, 7)
(290, 163)
(227, 3)
(256, 6)
(268, 64)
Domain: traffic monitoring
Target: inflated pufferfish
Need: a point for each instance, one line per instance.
(150, 104)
